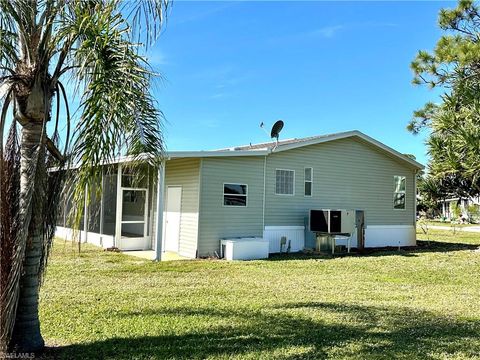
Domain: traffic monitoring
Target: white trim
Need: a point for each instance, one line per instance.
(240, 195)
(275, 187)
(134, 189)
(144, 221)
(119, 216)
(220, 153)
(309, 181)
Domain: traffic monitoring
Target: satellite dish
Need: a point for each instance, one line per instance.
(276, 128)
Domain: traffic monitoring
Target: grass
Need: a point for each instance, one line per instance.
(420, 304)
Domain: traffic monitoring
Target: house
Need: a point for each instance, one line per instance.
(262, 190)
(463, 205)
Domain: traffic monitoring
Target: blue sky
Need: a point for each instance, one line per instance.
(322, 67)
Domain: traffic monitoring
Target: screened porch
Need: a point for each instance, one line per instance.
(121, 215)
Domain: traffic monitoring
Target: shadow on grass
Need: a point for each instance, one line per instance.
(295, 330)
(422, 247)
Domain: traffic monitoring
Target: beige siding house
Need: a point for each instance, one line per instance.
(267, 190)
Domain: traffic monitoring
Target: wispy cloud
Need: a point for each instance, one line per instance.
(327, 31)
(223, 80)
(216, 73)
(219, 95)
(157, 58)
(209, 123)
(200, 15)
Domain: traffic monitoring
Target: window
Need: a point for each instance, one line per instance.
(284, 182)
(308, 181)
(234, 195)
(399, 192)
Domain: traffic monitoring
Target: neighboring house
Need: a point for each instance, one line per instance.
(263, 190)
(448, 204)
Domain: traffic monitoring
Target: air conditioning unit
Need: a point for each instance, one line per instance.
(332, 221)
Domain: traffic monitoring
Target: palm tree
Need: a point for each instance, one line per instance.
(96, 46)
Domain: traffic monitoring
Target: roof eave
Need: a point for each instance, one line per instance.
(222, 153)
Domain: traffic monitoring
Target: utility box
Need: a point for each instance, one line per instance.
(244, 249)
(332, 221)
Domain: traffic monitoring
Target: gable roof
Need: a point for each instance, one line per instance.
(288, 144)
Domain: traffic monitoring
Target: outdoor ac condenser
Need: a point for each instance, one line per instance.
(332, 221)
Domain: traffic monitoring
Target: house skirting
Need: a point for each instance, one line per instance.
(390, 235)
(294, 234)
(105, 241)
(375, 236)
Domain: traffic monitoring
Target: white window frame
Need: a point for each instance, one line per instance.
(235, 206)
(275, 186)
(309, 181)
(399, 192)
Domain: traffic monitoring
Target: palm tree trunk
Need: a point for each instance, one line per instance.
(26, 335)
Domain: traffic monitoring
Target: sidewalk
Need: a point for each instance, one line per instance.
(474, 229)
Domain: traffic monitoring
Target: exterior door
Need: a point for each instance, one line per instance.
(172, 218)
(360, 223)
(134, 219)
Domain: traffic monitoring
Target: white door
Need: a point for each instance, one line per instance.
(172, 218)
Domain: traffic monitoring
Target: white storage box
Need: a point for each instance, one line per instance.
(244, 248)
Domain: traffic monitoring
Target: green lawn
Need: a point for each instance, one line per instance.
(421, 304)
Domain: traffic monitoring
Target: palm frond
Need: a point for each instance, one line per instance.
(10, 195)
(119, 114)
(146, 17)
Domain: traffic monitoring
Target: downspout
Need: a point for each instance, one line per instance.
(199, 199)
(85, 215)
(160, 205)
(102, 206)
(264, 193)
(118, 217)
(415, 204)
(265, 187)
